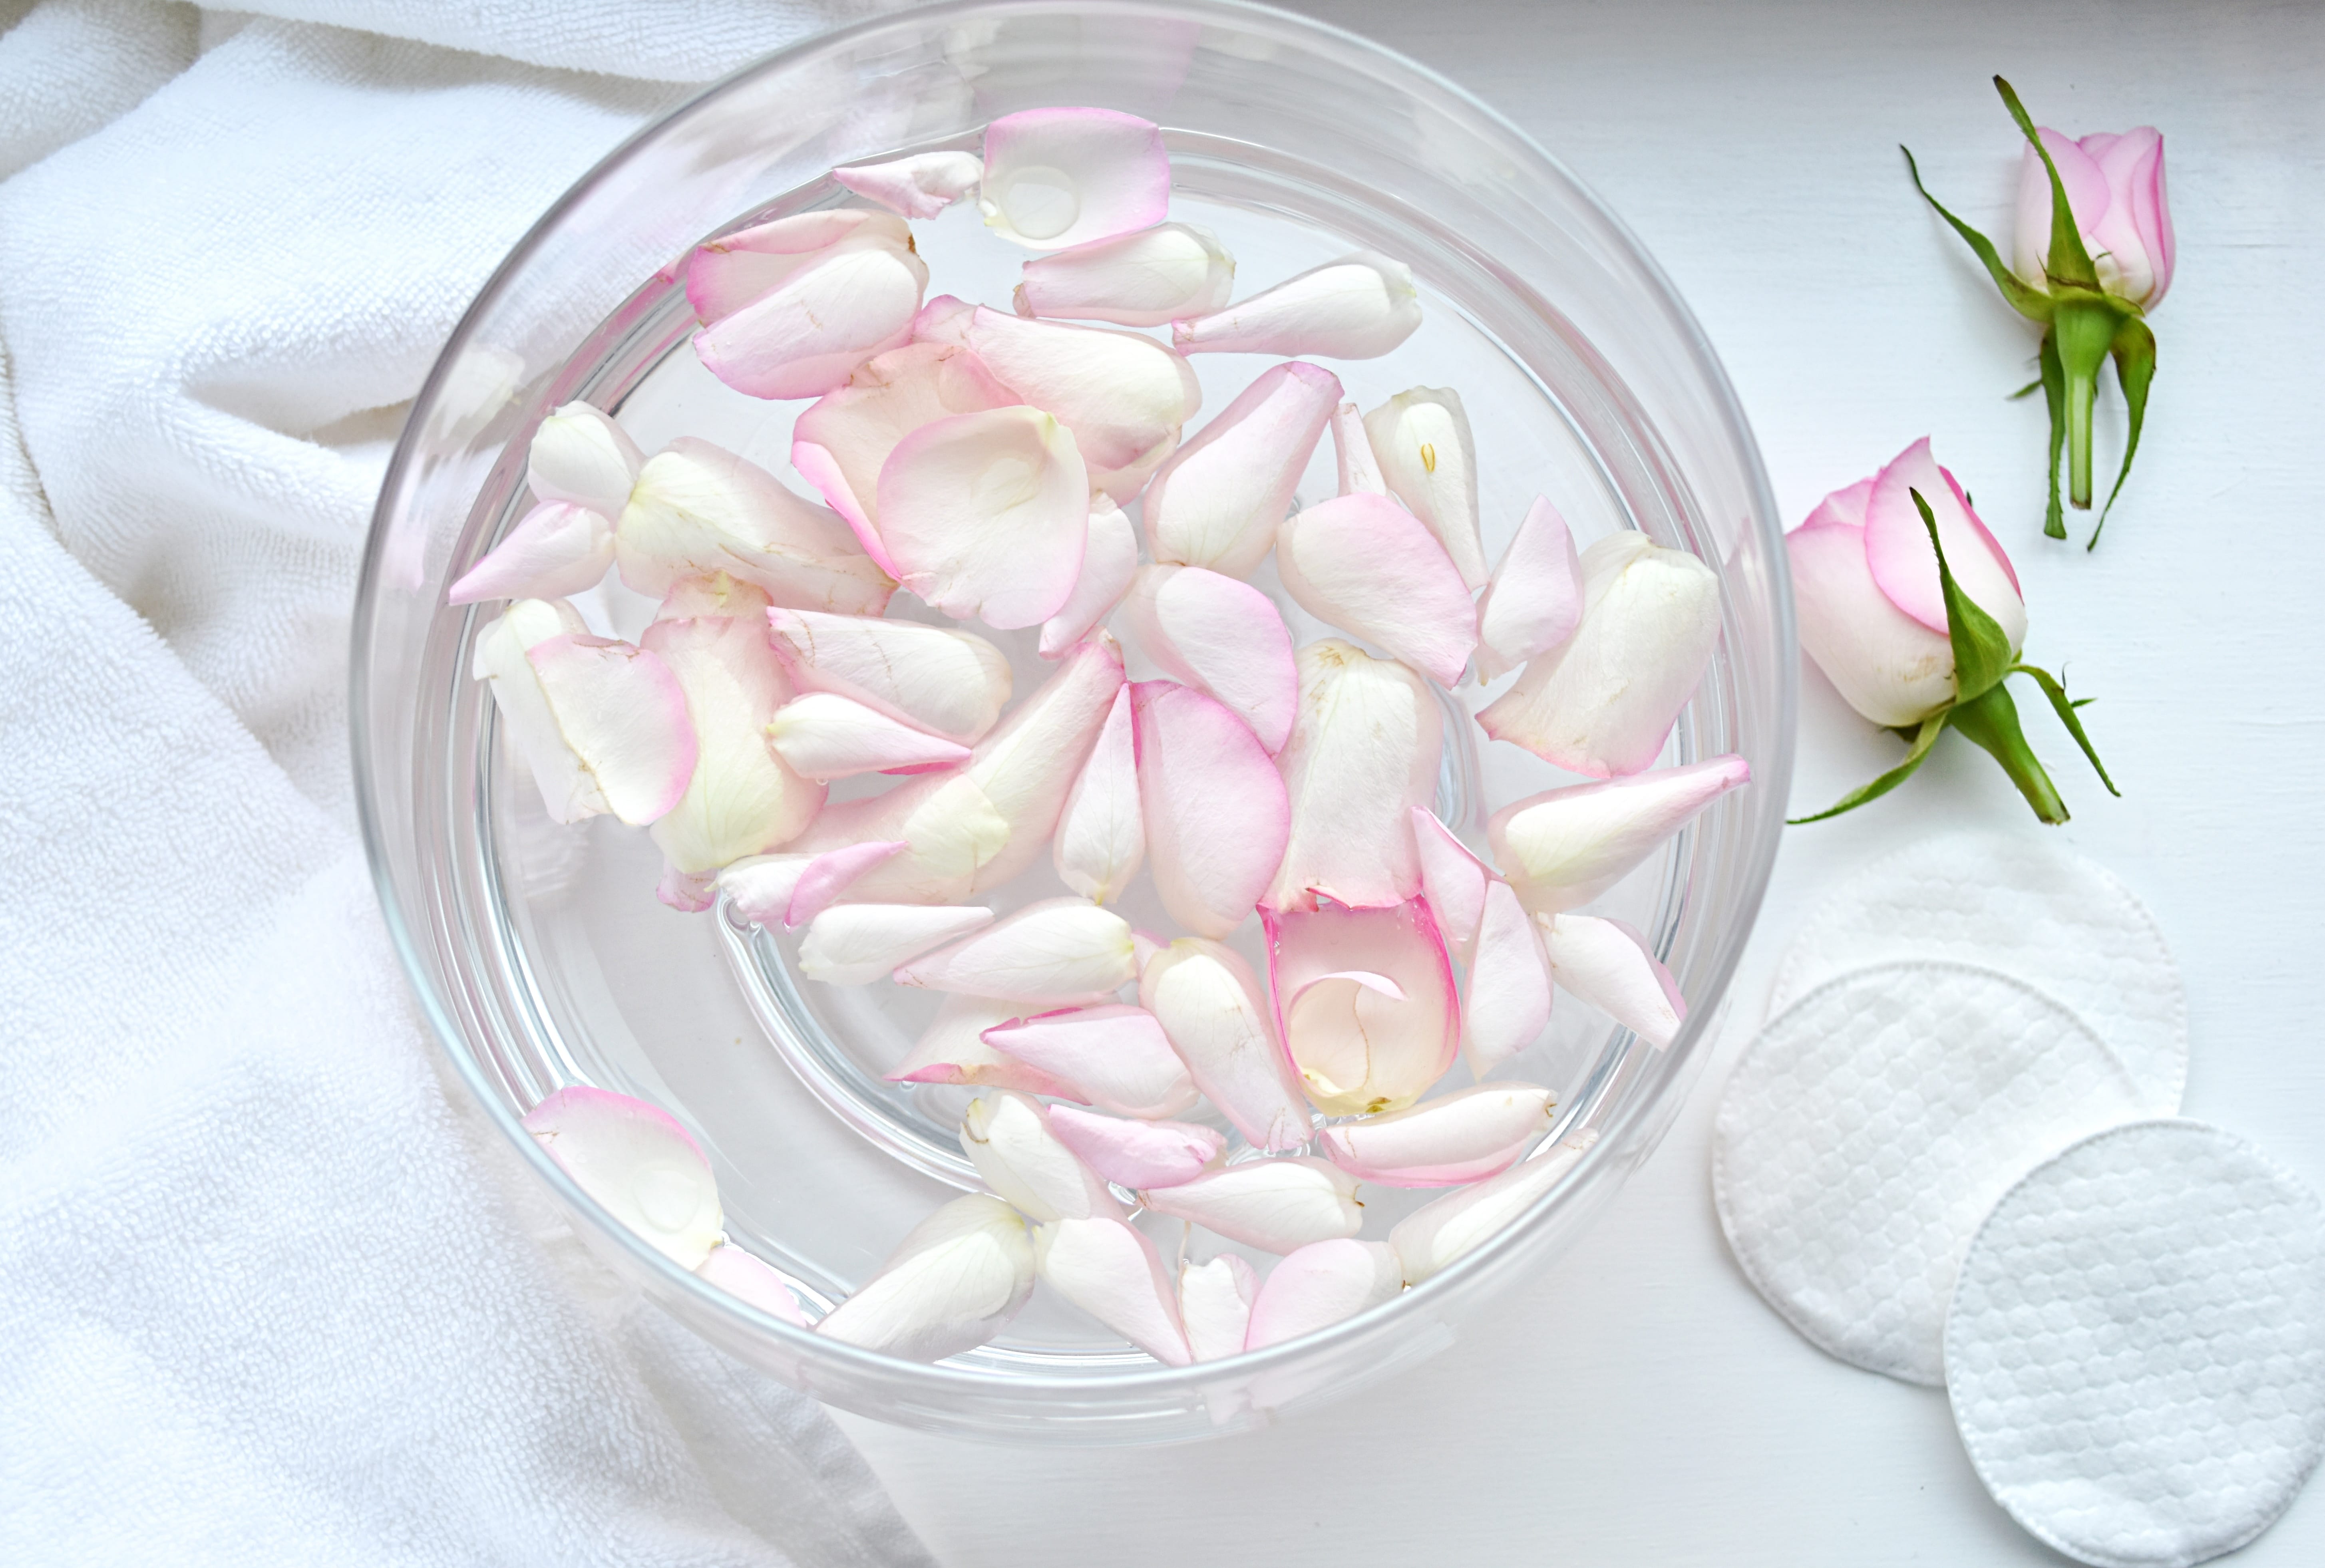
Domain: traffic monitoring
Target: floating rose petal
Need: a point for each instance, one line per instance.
(1102, 834)
(956, 1279)
(1534, 601)
(1219, 500)
(952, 1050)
(1207, 1001)
(1562, 848)
(1059, 951)
(986, 515)
(1608, 965)
(1214, 806)
(790, 890)
(1055, 178)
(790, 308)
(1112, 1272)
(1272, 1204)
(856, 944)
(603, 726)
(583, 458)
(1123, 396)
(637, 1163)
(1602, 703)
(697, 510)
(1453, 879)
(1509, 1004)
(1220, 636)
(1110, 562)
(1422, 440)
(978, 826)
(1007, 1138)
(747, 1279)
(1362, 757)
(1372, 569)
(1444, 1229)
(1357, 308)
(1136, 1154)
(1360, 468)
(1318, 1286)
(1139, 280)
(741, 798)
(1214, 1303)
(1362, 1047)
(839, 444)
(1448, 1142)
(556, 548)
(826, 736)
(921, 185)
(949, 683)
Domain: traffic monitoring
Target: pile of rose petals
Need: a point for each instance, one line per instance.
(988, 462)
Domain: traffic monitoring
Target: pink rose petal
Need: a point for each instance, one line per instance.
(697, 510)
(1448, 1142)
(1357, 308)
(789, 308)
(1059, 951)
(1453, 879)
(1366, 564)
(1055, 178)
(1363, 754)
(1534, 602)
(1136, 1154)
(1272, 1204)
(1138, 280)
(1422, 440)
(1007, 1138)
(952, 1050)
(1318, 1286)
(1116, 1058)
(638, 1165)
(921, 185)
(1608, 965)
(986, 515)
(1214, 1303)
(1219, 500)
(856, 944)
(1446, 1229)
(1603, 703)
(1897, 546)
(952, 1284)
(581, 458)
(1222, 637)
(790, 890)
(1359, 1050)
(1562, 848)
(741, 797)
(1214, 806)
(556, 548)
(1359, 468)
(950, 683)
(1110, 562)
(747, 1279)
(825, 736)
(1101, 835)
(624, 716)
(1111, 1271)
(1885, 664)
(1209, 1003)
(1509, 1004)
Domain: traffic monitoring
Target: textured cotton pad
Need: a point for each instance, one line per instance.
(2016, 904)
(2137, 1349)
(1870, 1126)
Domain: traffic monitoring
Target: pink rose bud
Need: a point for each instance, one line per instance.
(2115, 187)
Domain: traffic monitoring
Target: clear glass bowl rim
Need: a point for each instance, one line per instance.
(1620, 1133)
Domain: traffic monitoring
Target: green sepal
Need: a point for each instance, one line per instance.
(1991, 722)
(2055, 394)
(1932, 727)
(2133, 348)
(1981, 651)
(2026, 300)
(2070, 262)
(2028, 390)
(2056, 690)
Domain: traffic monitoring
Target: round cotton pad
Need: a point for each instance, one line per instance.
(2013, 903)
(2137, 1349)
(1870, 1126)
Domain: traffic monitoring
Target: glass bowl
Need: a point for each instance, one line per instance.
(540, 952)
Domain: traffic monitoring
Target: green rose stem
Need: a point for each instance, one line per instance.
(2084, 325)
(1982, 707)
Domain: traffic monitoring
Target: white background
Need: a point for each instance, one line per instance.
(1637, 1403)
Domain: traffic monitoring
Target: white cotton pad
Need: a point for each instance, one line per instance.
(1870, 1126)
(2137, 1349)
(2021, 905)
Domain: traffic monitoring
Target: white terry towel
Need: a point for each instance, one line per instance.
(268, 1293)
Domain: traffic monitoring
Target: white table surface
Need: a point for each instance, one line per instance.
(1637, 1402)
